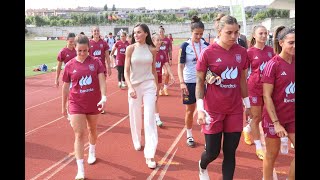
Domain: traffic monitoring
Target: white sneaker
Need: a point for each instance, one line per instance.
(91, 157)
(151, 164)
(119, 84)
(137, 147)
(203, 173)
(80, 176)
(159, 122)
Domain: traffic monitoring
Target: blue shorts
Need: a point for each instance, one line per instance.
(191, 98)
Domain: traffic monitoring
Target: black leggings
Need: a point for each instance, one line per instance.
(120, 73)
(213, 146)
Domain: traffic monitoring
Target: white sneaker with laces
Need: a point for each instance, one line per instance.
(91, 157)
(203, 173)
(80, 176)
(151, 164)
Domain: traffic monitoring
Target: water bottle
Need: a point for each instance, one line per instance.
(284, 145)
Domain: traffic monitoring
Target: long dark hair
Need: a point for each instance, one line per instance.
(145, 28)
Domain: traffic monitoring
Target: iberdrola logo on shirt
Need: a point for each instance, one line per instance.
(290, 89)
(85, 81)
(229, 73)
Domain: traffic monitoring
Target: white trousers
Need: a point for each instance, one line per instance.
(146, 93)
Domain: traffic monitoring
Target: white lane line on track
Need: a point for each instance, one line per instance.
(113, 79)
(30, 132)
(42, 103)
(26, 134)
(38, 90)
(154, 172)
(68, 159)
(163, 172)
(60, 97)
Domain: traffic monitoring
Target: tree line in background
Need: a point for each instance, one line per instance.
(79, 19)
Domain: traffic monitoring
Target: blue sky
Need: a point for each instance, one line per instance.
(149, 4)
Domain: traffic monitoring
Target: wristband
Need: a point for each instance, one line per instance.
(200, 105)
(246, 102)
(275, 121)
(104, 98)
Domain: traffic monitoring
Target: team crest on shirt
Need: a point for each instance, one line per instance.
(271, 130)
(163, 47)
(91, 67)
(254, 99)
(269, 54)
(101, 45)
(238, 58)
(161, 57)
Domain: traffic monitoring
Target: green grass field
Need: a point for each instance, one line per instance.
(45, 52)
(41, 52)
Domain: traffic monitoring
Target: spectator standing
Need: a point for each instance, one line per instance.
(110, 41)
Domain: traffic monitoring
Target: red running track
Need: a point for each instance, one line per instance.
(49, 140)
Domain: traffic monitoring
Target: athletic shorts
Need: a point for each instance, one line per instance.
(224, 123)
(74, 108)
(159, 78)
(268, 128)
(191, 98)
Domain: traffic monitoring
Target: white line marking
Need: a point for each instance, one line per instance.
(27, 133)
(42, 103)
(154, 172)
(38, 90)
(71, 155)
(163, 172)
(60, 97)
(30, 132)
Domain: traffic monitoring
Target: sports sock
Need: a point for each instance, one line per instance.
(92, 148)
(157, 116)
(258, 144)
(189, 133)
(80, 166)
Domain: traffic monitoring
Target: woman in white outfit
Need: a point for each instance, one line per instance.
(142, 81)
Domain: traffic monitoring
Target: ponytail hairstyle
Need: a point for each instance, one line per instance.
(227, 19)
(253, 40)
(196, 23)
(280, 33)
(81, 39)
